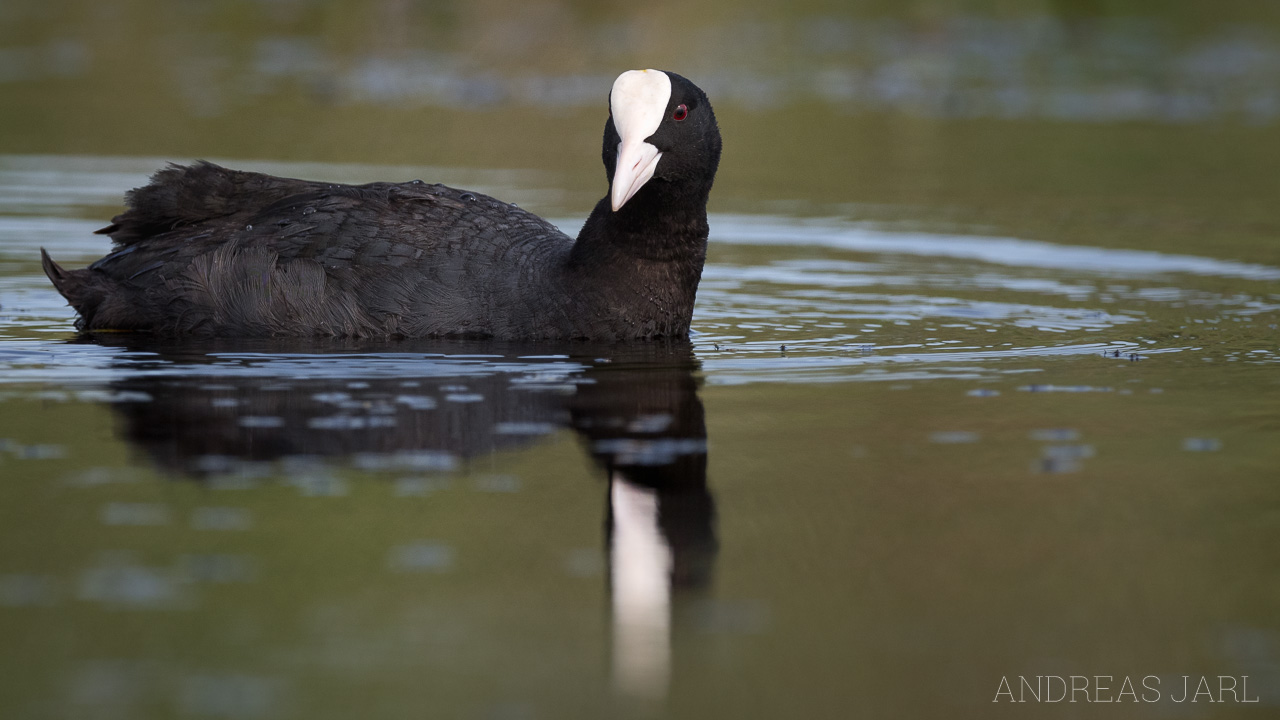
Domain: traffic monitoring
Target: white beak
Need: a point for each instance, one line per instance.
(638, 103)
(636, 163)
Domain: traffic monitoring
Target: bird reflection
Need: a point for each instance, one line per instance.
(222, 408)
(652, 442)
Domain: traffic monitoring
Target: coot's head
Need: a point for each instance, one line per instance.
(660, 130)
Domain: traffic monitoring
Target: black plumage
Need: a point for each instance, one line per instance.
(205, 250)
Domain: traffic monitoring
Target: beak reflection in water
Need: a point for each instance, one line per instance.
(640, 569)
(662, 540)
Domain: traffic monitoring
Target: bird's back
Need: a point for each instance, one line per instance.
(207, 250)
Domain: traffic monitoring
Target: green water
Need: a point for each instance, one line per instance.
(984, 380)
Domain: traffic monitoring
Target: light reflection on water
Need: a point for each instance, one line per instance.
(860, 412)
(894, 292)
(992, 250)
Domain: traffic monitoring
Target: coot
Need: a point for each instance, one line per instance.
(204, 250)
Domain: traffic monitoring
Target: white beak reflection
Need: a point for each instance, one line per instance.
(640, 567)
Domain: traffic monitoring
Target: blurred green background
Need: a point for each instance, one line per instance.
(1125, 118)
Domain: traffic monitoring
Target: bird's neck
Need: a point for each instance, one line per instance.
(661, 224)
(648, 257)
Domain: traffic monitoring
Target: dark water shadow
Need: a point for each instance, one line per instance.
(256, 410)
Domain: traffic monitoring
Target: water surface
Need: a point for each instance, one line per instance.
(887, 459)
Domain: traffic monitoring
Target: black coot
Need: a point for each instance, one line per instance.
(204, 250)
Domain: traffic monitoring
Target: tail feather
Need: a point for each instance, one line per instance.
(57, 275)
(74, 285)
(101, 302)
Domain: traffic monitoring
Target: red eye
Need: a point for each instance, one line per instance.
(681, 112)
